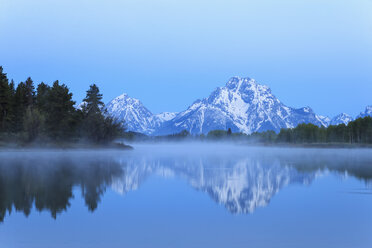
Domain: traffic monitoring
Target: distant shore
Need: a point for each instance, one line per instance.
(313, 145)
(122, 146)
(63, 146)
(252, 144)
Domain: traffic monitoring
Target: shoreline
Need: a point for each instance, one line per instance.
(66, 146)
(257, 144)
(130, 144)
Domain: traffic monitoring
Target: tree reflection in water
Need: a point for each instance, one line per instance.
(47, 181)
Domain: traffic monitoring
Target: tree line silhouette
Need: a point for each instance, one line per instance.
(48, 114)
(358, 131)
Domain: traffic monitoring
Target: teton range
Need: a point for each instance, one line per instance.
(242, 105)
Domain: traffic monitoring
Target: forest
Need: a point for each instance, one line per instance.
(358, 131)
(47, 115)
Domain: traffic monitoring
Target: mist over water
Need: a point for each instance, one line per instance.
(186, 194)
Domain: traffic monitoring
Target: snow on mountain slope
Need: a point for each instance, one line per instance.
(157, 120)
(135, 115)
(325, 120)
(132, 111)
(342, 118)
(367, 112)
(242, 105)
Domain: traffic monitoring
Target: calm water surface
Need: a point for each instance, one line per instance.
(186, 195)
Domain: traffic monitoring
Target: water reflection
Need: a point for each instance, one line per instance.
(238, 179)
(244, 181)
(46, 180)
(240, 184)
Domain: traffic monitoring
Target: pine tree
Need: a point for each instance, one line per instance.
(29, 92)
(98, 127)
(24, 97)
(20, 105)
(11, 112)
(93, 100)
(229, 132)
(42, 95)
(60, 114)
(5, 100)
(33, 124)
(93, 124)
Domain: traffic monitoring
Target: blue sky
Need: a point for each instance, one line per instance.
(315, 53)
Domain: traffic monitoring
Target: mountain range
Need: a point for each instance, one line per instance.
(242, 105)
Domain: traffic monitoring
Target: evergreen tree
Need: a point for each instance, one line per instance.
(60, 117)
(11, 113)
(24, 97)
(229, 132)
(98, 127)
(5, 100)
(20, 105)
(42, 95)
(29, 92)
(33, 124)
(93, 100)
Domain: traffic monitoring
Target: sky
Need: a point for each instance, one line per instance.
(168, 53)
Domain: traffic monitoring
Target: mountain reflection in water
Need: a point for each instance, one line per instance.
(241, 179)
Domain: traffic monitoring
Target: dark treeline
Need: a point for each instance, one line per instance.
(46, 114)
(358, 131)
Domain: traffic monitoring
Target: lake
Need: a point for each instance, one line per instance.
(186, 195)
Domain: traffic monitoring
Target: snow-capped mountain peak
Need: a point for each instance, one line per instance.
(342, 118)
(135, 115)
(367, 112)
(242, 105)
(132, 111)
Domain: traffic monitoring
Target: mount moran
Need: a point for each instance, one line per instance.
(242, 105)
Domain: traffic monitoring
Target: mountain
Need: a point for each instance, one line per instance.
(135, 115)
(367, 112)
(157, 120)
(242, 105)
(325, 120)
(342, 118)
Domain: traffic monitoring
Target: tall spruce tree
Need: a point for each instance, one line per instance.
(24, 97)
(93, 100)
(5, 101)
(60, 122)
(11, 113)
(42, 95)
(20, 106)
(98, 127)
(29, 92)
